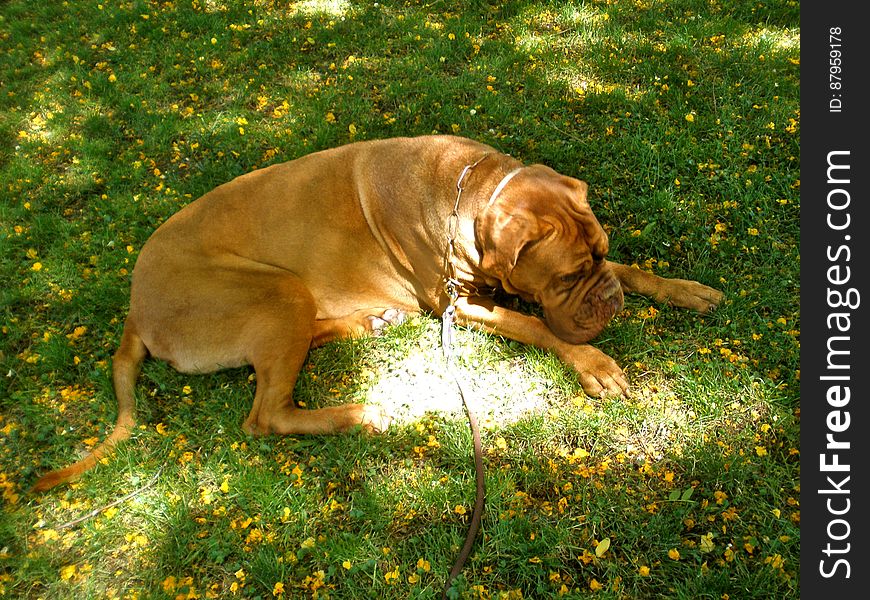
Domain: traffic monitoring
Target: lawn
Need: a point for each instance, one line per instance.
(683, 117)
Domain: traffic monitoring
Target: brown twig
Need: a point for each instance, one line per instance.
(114, 503)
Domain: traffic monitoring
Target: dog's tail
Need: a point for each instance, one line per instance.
(125, 369)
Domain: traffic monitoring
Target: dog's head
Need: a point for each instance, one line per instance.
(538, 236)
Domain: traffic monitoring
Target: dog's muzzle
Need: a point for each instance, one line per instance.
(585, 316)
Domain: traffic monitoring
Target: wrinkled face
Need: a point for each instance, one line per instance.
(541, 240)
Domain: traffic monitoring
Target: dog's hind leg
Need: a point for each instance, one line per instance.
(280, 334)
(205, 319)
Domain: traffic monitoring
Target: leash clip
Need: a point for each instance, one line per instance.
(451, 288)
(448, 317)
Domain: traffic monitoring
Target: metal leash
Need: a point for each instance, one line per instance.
(448, 319)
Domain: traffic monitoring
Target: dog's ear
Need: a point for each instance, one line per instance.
(502, 233)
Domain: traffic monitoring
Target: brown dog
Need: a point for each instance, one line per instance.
(338, 243)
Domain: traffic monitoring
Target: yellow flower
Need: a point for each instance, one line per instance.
(37, 266)
(690, 117)
(391, 577)
(707, 543)
(424, 565)
(67, 572)
(776, 561)
(459, 510)
(594, 585)
(278, 590)
(674, 554)
(644, 571)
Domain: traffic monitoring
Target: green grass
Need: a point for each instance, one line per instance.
(683, 117)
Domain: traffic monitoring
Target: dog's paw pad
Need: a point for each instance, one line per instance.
(391, 316)
(394, 316)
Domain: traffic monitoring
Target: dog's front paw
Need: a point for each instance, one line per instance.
(599, 375)
(691, 294)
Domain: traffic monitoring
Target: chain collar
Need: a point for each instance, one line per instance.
(452, 285)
